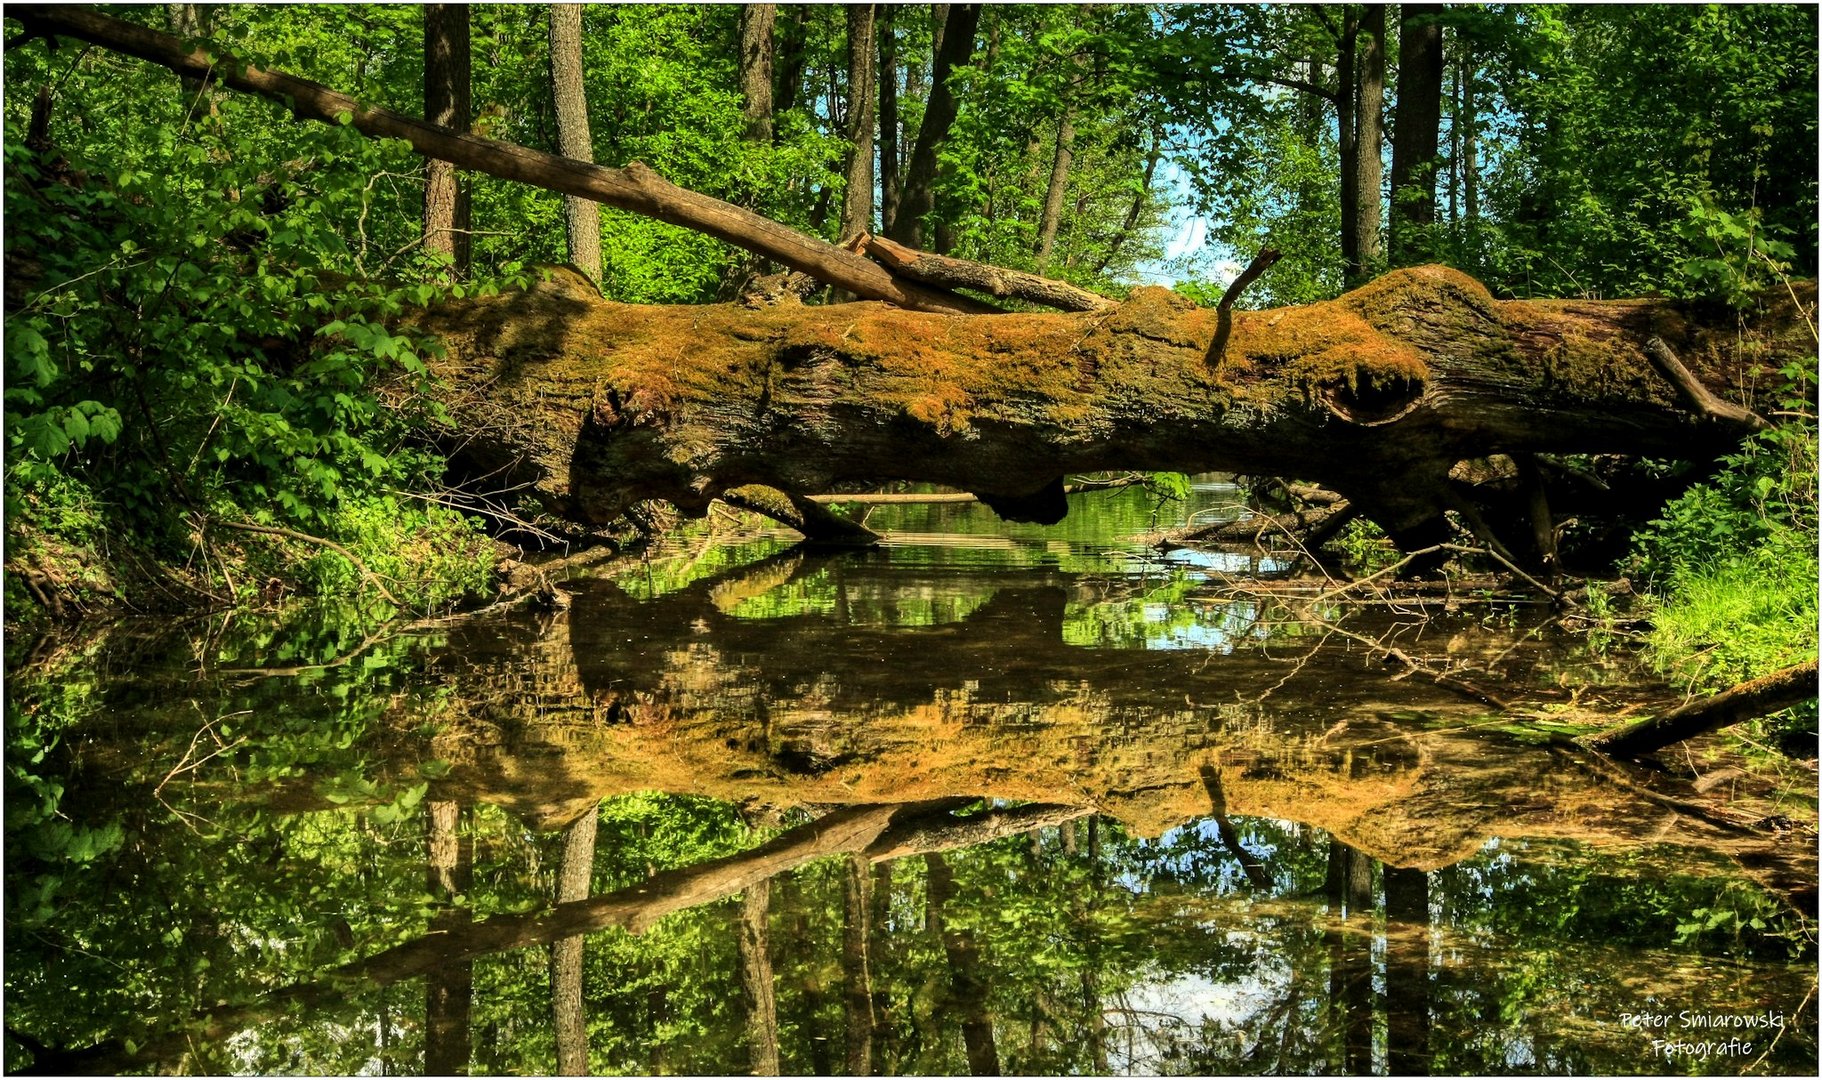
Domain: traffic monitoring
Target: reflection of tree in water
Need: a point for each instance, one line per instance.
(1233, 944)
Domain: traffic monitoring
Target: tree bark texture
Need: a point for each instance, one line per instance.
(857, 204)
(1347, 112)
(446, 104)
(1376, 395)
(449, 985)
(918, 197)
(636, 187)
(581, 217)
(950, 273)
(887, 74)
(755, 69)
(756, 979)
(1052, 215)
(857, 968)
(574, 873)
(1369, 139)
(1414, 140)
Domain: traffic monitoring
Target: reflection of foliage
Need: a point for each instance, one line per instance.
(299, 849)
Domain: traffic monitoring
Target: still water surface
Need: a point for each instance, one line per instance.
(985, 798)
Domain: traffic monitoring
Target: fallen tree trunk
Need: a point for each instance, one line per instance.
(1747, 701)
(1375, 395)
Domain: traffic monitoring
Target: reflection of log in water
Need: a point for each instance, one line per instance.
(830, 705)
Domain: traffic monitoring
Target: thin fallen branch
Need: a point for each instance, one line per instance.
(952, 273)
(1698, 396)
(1758, 697)
(1556, 595)
(1224, 311)
(293, 534)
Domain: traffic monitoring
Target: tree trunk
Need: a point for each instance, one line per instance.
(1470, 121)
(857, 973)
(888, 116)
(1747, 701)
(581, 217)
(755, 69)
(446, 104)
(996, 281)
(967, 983)
(756, 980)
(449, 986)
(1407, 971)
(1347, 121)
(189, 21)
(1053, 194)
(1414, 142)
(857, 206)
(1369, 127)
(792, 56)
(918, 198)
(574, 872)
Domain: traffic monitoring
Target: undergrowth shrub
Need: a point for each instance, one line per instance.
(1731, 566)
(216, 338)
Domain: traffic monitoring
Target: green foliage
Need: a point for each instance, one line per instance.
(1733, 561)
(202, 337)
(429, 557)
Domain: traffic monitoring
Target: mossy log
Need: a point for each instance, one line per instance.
(1376, 395)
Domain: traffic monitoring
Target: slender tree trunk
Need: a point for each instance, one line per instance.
(756, 978)
(449, 988)
(1470, 121)
(887, 75)
(189, 21)
(1415, 140)
(1139, 202)
(1347, 100)
(574, 873)
(1453, 182)
(857, 208)
(1407, 971)
(857, 973)
(446, 103)
(1369, 131)
(1357, 988)
(581, 217)
(1053, 194)
(919, 195)
(754, 67)
(792, 56)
